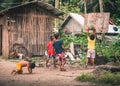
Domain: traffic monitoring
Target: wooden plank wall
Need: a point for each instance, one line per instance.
(30, 32)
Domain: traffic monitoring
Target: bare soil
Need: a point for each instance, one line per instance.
(41, 76)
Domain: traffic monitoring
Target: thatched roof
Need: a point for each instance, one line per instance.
(37, 4)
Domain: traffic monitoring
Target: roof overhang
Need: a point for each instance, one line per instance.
(38, 4)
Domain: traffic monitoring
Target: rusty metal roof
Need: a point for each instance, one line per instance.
(43, 5)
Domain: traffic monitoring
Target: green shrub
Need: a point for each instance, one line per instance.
(109, 78)
(85, 78)
(81, 61)
(106, 78)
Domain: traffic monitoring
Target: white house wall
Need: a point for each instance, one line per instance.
(73, 26)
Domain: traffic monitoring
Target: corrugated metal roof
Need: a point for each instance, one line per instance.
(44, 5)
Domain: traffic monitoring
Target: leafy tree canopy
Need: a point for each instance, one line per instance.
(77, 6)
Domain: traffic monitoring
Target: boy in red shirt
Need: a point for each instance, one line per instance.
(51, 52)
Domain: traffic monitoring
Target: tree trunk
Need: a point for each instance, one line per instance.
(23, 1)
(101, 5)
(46, 1)
(56, 21)
(110, 68)
(85, 6)
(101, 11)
(42, 0)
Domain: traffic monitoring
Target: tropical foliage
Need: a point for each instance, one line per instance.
(111, 6)
(76, 6)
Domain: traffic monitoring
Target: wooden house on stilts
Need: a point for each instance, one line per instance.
(26, 28)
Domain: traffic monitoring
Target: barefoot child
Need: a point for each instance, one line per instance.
(59, 50)
(50, 51)
(91, 46)
(22, 64)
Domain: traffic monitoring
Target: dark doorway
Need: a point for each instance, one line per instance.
(0, 39)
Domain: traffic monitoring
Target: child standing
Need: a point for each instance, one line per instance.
(59, 50)
(91, 46)
(51, 52)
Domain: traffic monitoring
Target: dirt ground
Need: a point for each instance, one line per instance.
(41, 76)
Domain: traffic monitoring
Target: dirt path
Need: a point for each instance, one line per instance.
(41, 76)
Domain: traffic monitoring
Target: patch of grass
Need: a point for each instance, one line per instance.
(118, 63)
(15, 59)
(106, 78)
(86, 77)
(5, 58)
(81, 61)
(35, 59)
(10, 59)
(109, 78)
